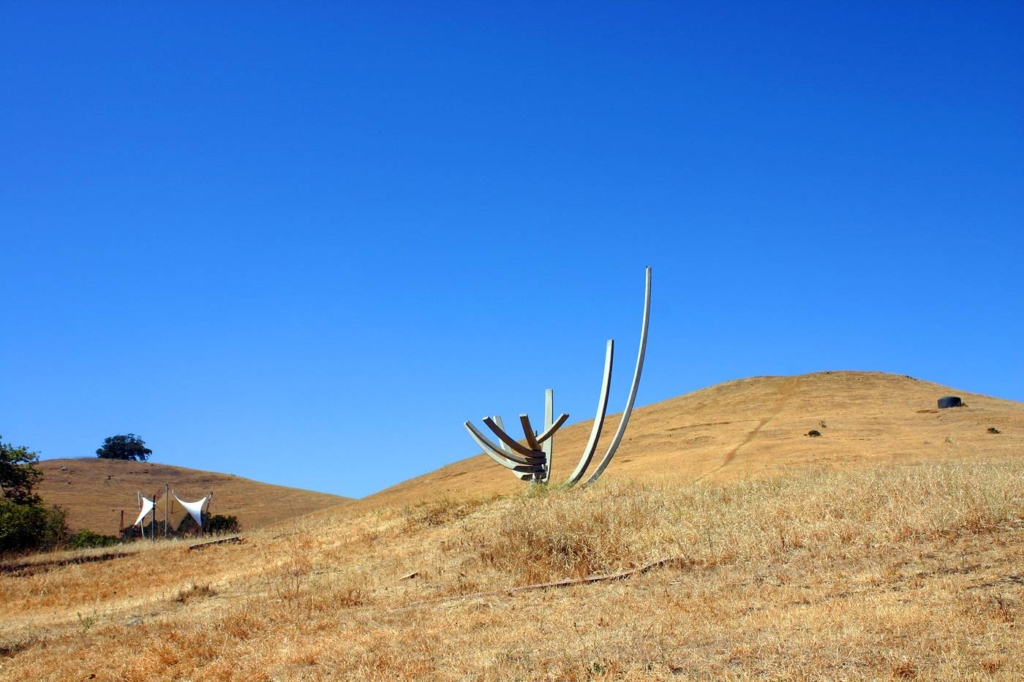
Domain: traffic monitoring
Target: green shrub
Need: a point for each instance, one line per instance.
(222, 524)
(25, 523)
(86, 538)
(30, 526)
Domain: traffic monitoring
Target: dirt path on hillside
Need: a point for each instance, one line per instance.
(784, 394)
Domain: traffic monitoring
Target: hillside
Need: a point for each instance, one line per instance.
(757, 427)
(722, 543)
(892, 572)
(95, 491)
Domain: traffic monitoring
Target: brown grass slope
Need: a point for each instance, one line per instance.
(758, 426)
(898, 558)
(890, 572)
(95, 491)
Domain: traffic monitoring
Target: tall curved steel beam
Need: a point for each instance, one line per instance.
(509, 461)
(619, 432)
(602, 408)
(510, 441)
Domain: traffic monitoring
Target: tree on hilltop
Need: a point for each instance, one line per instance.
(124, 447)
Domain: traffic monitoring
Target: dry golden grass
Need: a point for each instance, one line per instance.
(757, 427)
(888, 548)
(95, 491)
(892, 571)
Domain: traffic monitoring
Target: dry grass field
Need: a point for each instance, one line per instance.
(754, 551)
(756, 427)
(95, 491)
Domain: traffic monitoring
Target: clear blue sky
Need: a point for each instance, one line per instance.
(303, 242)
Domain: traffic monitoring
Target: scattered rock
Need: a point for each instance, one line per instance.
(993, 429)
(814, 433)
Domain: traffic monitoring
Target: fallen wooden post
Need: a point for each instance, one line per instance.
(223, 541)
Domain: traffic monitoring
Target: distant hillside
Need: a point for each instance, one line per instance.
(94, 492)
(738, 429)
(759, 426)
(889, 549)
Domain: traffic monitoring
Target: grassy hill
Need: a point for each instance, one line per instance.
(722, 543)
(759, 426)
(95, 491)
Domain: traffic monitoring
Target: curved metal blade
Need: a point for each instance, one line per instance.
(619, 432)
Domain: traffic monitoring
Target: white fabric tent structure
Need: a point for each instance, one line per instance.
(195, 509)
(147, 506)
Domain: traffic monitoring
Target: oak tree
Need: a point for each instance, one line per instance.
(127, 446)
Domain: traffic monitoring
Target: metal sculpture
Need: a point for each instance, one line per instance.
(532, 462)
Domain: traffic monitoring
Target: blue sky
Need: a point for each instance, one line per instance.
(303, 242)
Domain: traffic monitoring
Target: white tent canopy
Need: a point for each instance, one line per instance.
(195, 509)
(147, 506)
